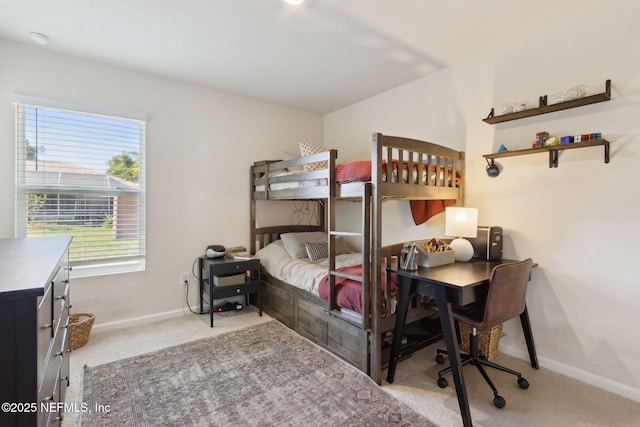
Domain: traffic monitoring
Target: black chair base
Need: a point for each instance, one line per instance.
(477, 361)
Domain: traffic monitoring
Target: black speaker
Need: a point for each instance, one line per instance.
(215, 251)
(488, 243)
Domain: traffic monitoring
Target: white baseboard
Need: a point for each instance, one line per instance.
(618, 388)
(136, 321)
(156, 317)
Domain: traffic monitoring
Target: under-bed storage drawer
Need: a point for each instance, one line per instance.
(342, 338)
(349, 341)
(278, 303)
(310, 322)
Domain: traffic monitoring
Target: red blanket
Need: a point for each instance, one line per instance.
(348, 291)
(422, 210)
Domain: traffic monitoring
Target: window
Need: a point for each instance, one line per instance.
(82, 174)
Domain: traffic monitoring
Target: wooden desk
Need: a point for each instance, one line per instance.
(459, 283)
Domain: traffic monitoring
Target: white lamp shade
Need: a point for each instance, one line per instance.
(461, 222)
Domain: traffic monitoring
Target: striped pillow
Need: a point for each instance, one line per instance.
(319, 250)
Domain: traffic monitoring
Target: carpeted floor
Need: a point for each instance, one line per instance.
(551, 400)
(263, 375)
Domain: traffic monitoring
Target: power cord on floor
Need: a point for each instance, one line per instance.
(197, 276)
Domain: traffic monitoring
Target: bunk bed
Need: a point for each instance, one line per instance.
(429, 175)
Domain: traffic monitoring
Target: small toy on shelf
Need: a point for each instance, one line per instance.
(551, 142)
(566, 140)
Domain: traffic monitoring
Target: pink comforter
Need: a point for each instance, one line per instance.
(348, 291)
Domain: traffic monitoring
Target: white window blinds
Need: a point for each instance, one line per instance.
(82, 174)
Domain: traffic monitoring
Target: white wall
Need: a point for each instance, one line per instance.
(200, 144)
(579, 222)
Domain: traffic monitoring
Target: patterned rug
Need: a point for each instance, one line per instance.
(264, 375)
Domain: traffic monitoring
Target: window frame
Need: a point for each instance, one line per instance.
(87, 267)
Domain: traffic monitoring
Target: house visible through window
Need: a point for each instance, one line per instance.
(81, 174)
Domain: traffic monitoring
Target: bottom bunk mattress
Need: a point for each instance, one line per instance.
(310, 274)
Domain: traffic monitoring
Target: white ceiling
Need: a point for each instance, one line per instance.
(320, 56)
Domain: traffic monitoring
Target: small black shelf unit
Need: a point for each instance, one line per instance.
(228, 266)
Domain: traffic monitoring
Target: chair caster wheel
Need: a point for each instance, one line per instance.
(442, 382)
(499, 402)
(523, 383)
(440, 359)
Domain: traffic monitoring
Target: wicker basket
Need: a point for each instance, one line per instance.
(487, 340)
(79, 329)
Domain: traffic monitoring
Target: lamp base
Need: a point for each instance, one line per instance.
(462, 248)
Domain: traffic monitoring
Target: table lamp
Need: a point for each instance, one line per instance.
(460, 223)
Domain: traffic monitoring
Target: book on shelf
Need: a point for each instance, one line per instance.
(234, 279)
(237, 251)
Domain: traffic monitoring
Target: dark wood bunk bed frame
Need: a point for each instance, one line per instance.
(359, 341)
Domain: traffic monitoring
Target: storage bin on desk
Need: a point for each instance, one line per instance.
(433, 259)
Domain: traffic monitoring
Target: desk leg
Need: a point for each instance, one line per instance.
(449, 332)
(404, 290)
(528, 335)
(211, 310)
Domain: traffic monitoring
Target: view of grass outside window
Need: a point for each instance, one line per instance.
(82, 174)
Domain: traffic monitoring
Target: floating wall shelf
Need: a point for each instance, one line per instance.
(544, 108)
(553, 151)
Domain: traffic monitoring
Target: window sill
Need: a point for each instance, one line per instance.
(107, 268)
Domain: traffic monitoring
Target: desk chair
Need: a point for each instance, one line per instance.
(505, 300)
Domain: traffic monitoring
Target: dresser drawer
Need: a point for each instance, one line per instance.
(63, 381)
(60, 292)
(61, 308)
(46, 329)
(52, 367)
(49, 397)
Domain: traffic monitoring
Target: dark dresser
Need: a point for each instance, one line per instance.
(34, 318)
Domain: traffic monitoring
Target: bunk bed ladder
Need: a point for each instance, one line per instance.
(363, 321)
(365, 242)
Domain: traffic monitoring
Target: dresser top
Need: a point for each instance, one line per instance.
(28, 264)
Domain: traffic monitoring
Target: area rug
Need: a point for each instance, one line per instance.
(264, 375)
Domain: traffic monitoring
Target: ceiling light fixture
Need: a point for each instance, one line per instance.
(39, 37)
(294, 2)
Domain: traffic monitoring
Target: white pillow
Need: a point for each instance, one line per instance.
(307, 149)
(294, 242)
